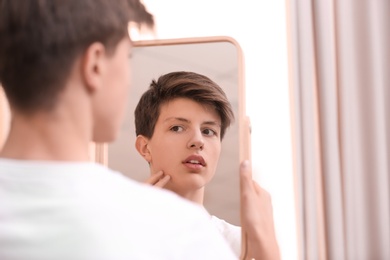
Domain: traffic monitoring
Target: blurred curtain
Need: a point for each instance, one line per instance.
(340, 92)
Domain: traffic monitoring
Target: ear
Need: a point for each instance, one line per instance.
(141, 144)
(94, 66)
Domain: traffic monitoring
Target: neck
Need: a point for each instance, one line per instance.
(196, 196)
(50, 136)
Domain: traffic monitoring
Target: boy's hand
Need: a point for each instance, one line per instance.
(158, 179)
(258, 230)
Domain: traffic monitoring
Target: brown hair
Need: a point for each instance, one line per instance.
(41, 39)
(185, 85)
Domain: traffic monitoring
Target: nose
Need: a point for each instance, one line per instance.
(196, 142)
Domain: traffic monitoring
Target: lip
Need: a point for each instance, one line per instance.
(194, 162)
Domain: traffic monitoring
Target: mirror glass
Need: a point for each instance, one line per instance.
(220, 59)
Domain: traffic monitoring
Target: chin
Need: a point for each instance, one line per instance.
(192, 182)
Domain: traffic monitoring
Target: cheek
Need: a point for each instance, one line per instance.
(165, 156)
(120, 87)
(162, 162)
(126, 74)
(214, 154)
(123, 75)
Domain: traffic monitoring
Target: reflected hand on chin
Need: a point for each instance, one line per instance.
(158, 179)
(257, 223)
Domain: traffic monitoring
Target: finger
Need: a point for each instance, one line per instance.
(154, 178)
(245, 176)
(163, 181)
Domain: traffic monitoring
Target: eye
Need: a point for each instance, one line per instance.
(177, 128)
(209, 132)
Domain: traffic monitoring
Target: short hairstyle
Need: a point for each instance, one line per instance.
(41, 40)
(180, 84)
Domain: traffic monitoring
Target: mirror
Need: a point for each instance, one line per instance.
(219, 58)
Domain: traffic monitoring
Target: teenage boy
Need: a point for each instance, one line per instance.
(64, 69)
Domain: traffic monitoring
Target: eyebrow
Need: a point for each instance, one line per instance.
(189, 121)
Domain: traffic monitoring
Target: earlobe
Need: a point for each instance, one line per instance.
(141, 144)
(93, 66)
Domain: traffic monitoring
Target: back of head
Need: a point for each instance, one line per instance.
(180, 84)
(41, 39)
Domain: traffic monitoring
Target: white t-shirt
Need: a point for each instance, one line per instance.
(54, 210)
(231, 233)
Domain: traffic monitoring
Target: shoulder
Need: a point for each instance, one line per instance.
(160, 219)
(109, 215)
(223, 224)
(112, 188)
(230, 232)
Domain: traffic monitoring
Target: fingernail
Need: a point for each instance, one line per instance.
(245, 164)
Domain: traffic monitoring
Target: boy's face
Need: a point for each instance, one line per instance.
(186, 144)
(110, 103)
